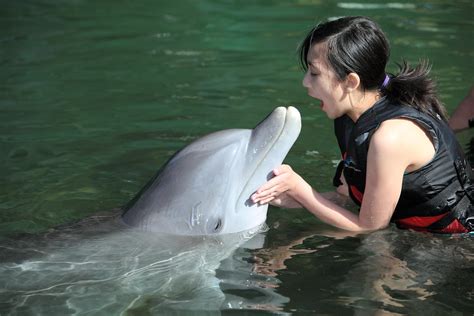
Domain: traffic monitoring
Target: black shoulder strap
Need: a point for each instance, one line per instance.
(342, 128)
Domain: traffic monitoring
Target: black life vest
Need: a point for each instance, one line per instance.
(437, 197)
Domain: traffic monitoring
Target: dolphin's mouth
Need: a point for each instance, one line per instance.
(278, 131)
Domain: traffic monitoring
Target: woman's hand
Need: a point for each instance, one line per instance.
(286, 201)
(284, 181)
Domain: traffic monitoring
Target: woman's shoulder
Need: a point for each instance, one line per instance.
(406, 139)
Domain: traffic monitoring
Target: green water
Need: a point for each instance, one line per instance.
(96, 95)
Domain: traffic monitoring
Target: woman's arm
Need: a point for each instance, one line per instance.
(463, 113)
(289, 182)
(398, 145)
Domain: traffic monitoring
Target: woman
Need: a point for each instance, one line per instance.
(401, 161)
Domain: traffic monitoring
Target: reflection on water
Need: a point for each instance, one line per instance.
(402, 269)
(387, 271)
(98, 266)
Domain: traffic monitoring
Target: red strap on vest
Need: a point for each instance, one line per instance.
(454, 228)
(421, 223)
(356, 193)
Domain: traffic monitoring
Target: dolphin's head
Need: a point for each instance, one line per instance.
(205, 188)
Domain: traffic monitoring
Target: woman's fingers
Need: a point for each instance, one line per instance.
(272, 183)
(282, 169)
(274, 187)
(270, 191)
(265, 195)
(266, 201)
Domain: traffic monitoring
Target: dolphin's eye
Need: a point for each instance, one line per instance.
(214, 225)
(218, 225)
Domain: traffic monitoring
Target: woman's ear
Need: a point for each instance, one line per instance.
(352, 82)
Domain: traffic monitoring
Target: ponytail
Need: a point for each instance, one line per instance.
(413, 87)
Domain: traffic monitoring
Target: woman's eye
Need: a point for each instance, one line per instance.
(313, 74)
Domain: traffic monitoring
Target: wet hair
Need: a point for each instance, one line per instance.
(357, 44)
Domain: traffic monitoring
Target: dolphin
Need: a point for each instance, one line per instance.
(192, 216)
(205, 188)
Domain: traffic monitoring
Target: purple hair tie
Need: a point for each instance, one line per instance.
(386, 81)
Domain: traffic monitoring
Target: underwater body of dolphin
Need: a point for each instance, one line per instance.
(205, 188)
(96, 267)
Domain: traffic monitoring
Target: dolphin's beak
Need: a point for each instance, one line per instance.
(281, 123)
(270, 142)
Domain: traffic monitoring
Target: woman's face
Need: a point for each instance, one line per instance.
(323, 84)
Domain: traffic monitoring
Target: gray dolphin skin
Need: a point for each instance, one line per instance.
(205, 188)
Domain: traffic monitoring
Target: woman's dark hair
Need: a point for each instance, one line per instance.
(357, 44)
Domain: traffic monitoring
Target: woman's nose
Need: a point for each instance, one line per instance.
(306, 81)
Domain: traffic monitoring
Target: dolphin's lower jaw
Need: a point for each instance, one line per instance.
(205, 188)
